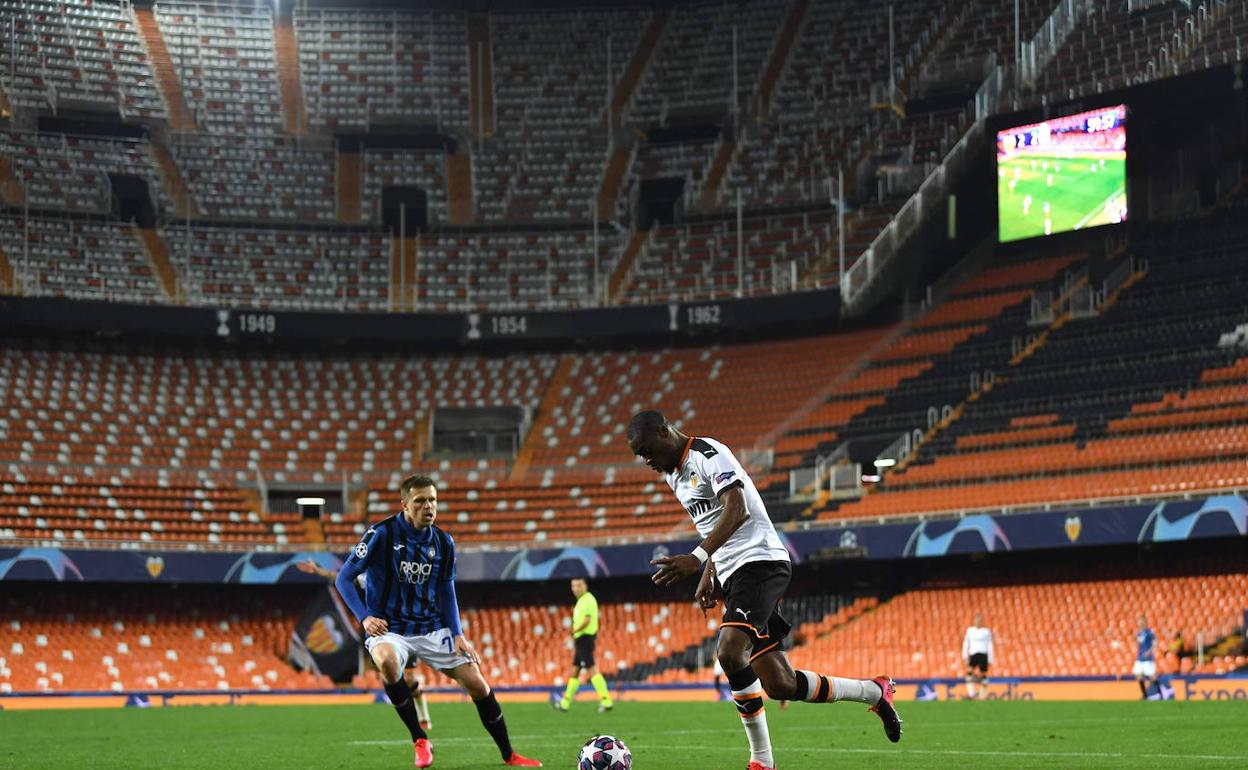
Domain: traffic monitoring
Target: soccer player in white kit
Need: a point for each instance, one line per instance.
(742, 555)
(977, 652)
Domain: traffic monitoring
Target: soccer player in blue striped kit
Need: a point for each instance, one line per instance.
(410, 611)
(744, 556)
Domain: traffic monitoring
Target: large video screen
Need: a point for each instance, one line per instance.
(1064, 174)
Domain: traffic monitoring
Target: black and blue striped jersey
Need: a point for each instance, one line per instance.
(409, 577)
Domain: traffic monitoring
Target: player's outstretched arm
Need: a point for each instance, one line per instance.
(312, 568)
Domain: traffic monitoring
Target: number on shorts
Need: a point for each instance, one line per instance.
(450, 644)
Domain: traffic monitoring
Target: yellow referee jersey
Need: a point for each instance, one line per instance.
(586, 607)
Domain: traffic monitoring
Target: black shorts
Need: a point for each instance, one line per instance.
(583, 651)
(979, 660)
(752, 603)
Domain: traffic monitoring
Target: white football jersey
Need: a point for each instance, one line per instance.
(706, 469)
(978, 640)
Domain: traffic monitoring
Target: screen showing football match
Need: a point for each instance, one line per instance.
(1063, 174)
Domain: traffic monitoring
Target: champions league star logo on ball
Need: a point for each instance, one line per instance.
(605, 752)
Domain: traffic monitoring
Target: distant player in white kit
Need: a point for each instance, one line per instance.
(1145, 667)
(977, 652)
(742, 553)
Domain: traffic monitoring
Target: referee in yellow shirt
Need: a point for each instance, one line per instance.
(584, 635)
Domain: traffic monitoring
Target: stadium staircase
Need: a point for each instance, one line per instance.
(180, 118)
(347, 181)
(726, 150)
(11, 191)
(556, 390)
(480, 76)
(622, 276)
(631, 79)
(612, 180)
(8, 279)
(403, 277)
(459, 189)
(780, 56)
(715, 177)
(8, 276)
(314, 533)
(171, 180)
(286, 46)
(158, 254)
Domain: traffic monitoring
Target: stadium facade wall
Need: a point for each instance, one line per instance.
(819, 308)
(1171, 521)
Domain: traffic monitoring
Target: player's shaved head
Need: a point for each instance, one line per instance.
(655, 441)
(646, 422)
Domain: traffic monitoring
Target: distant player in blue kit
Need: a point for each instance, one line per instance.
(1145, 667)
(410, 611)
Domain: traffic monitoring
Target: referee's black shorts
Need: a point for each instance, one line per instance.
(583, 651)
(752, 601)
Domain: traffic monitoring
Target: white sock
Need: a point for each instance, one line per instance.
(754, 720)
(857, 690)
(970, 688)
(760, 739)
(817, 688)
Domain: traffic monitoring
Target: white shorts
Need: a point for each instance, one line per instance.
(719, 670)
(437, 649)
(1145, 668)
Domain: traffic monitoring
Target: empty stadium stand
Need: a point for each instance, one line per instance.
(1047, 621)
(777, 255)
(1061, 409)
(69, 173)
(281, 269)
(1056, 626)
(67, 55)
(509, 270)
(102, 639)
(258, 178)
(362, 68)
(78, 259)
(226, 62)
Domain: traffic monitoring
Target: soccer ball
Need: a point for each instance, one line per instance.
(604, 752)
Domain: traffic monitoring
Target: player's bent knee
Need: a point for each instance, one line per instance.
(732, 658)
(388, 664)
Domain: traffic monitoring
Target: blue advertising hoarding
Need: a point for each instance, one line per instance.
(1179, 520)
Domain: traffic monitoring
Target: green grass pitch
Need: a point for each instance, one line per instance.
(1077, 196)
(662, 736)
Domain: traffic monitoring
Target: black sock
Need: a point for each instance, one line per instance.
(739, 680)
(492, 717)
(401, 697)
(743, 680)
(800, 688)
(1143, 689)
